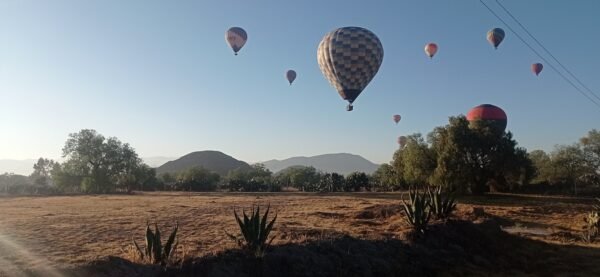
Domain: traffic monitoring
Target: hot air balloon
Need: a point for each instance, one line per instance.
(349, 58)
(236, 37)
(290, 75)
(537, 68)
(397, 118)
(431, 49)
(402, 141)
(495, 36)
(489, 115)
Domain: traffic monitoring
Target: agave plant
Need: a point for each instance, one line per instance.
(417, 211)
(441, 204)
(155, 252)
(254, 231)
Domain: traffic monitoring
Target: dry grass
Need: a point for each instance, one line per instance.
(38, 234)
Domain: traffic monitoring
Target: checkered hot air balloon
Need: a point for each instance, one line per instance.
(236, 37)
(349, 58)
(495, 36)
(290, 75)
(486, 115)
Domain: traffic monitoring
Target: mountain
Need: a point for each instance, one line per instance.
(342, 163)
(22, 167)
(212, 160)
(157, 161)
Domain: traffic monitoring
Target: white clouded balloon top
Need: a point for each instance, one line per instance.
(349, 58)
(236, 37)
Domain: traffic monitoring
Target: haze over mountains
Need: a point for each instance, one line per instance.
(342, 163)
(221, 163)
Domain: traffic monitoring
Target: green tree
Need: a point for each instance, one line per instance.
(304, 178)
(41, 172)
(356, 181)
(543, 166)
(591, 150)
(198, 179)
(385, 178)
(472, 159)
(101, 164)
(415, 162)
(258, 178)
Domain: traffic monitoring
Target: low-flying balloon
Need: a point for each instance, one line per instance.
(349, 58)
(495, 36)
(290, 75)
(236, 37)
(397, 118)
(402, 141)
(488, 115)
(537, 68)
(431, 49)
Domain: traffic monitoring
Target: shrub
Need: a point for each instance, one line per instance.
(592, 220)
(254, 231)
(155, 252)
(441, 204)
(417, 211)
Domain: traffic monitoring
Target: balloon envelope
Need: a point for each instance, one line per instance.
(290, 75)
(397, 118)
(495, 36)
(431, 49)
(349, 58)
(487, 113)
(402, 141)
(236, 37)
(537, 68)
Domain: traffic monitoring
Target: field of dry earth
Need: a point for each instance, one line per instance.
(361, 234)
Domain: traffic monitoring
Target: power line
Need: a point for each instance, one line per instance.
(547, 51)
(540, 56)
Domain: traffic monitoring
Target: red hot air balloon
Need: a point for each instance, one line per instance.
(431, 49)
(537, 68)
(397, 118)
(495, 36)
(487, 113)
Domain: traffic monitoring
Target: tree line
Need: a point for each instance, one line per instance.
(455, 156)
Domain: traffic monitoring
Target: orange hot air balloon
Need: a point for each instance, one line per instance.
(537, 68)
(397, 118)
(431, 49)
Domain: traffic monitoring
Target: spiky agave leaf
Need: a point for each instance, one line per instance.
(169, 245)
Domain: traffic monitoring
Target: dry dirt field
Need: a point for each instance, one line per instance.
(362, 234)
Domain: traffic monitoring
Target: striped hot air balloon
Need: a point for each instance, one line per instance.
(236, 37)
(537, 68)
(431, 49)
(489, 115)
(495, 37)
(349, 58)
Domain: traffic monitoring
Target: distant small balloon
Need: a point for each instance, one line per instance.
(495, 36)
(236, 37)
(431, 49)
(397, 118)
(537, 68)
(402, 141)
(290, 75)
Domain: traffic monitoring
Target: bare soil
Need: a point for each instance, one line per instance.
(360, 234)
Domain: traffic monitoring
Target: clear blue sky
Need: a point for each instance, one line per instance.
(159, 75)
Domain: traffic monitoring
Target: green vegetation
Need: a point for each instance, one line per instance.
(254, 231)
(441, 204)
(155, 252)
(417, 211)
